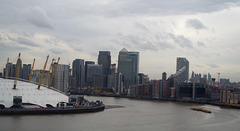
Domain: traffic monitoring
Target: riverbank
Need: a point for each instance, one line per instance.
(175, 100)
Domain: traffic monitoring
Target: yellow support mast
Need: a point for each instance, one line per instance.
(45, 83)
(6, 71)
(16, 73)
(40, 82)
(49, 84)
(30, 76)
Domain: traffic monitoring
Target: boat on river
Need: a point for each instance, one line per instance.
(201, 109)
(52, 110)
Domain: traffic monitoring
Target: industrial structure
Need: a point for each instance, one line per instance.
(18, 92)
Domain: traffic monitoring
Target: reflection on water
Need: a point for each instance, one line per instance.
(128, 114)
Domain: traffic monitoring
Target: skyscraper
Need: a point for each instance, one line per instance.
(61, 77)
(78, 72)
(164, 76)
(86, 66)
(128, 66)
(181, 64)
(26, 71)
(93, 71)
(104, 59)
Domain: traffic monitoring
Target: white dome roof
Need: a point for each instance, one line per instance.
(29, 93)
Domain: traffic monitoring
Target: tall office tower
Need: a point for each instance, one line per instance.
(118, 84)
(78, 72)
(128, 66)
(193, 74)
(104, 59)
(111, 77)
(164, 76)
(20, 68)
(26, 71)
(86, 66)
(93, 71)
(11, 70)
(113, 69)
(36, 76)
(205, 76)
(183, 64)
(61, 77)
(209, 80)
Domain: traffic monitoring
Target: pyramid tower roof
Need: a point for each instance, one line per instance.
(124, 50)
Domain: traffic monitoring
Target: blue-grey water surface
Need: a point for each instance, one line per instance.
(123, 114)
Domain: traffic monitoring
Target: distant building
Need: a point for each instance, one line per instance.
(78, 71)
(26, 71)
(183, 63)
(115, 83)
(186, 91)
(98, 81)
(113, 69)
(224, 81)
(86, 66)
(140, 78)
(209, 79)
(20, 68)
(142, 91)
(164, 90)
(193, 74)
(164, 76)
(11, 70)
(104, 59)
(61, 77)
(155, 88)
(205, 77)
(128, 66)
(93, 71)
(36, 76)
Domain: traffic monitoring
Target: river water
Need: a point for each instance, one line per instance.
(123, 114)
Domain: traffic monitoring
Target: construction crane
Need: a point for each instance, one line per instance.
(16, 73)
(30, 76)
(40, 82)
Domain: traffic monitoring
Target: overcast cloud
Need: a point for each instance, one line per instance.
(202, 31)
(196, 24)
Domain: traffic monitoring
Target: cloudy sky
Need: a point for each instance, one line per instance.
(206, 32)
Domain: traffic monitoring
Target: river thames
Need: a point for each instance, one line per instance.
(123, 114)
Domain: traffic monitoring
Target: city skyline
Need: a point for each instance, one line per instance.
(205, 32)
(92, 62)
